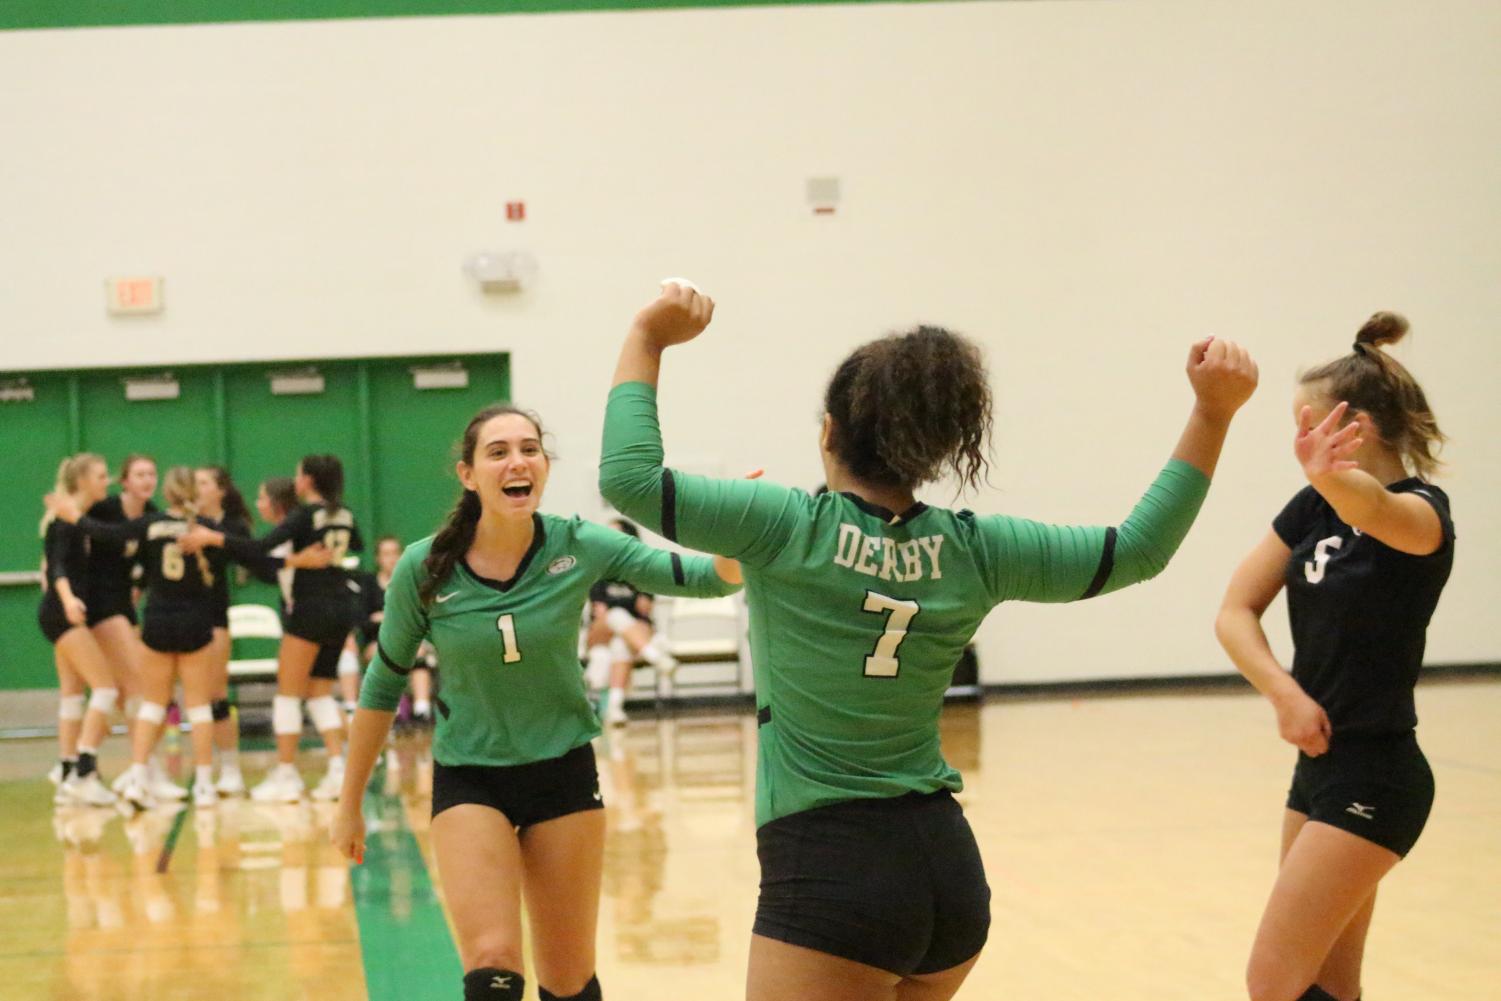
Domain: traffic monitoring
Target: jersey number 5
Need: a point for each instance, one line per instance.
(1313, 571)
(883, 662)
(507, 626)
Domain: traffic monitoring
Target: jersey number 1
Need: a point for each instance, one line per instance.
(507, 626)
(883, 662)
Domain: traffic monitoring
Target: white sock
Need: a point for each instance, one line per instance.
(616, 699)
(422, 707)
(140, 772)
(597, 674)
(203, 775)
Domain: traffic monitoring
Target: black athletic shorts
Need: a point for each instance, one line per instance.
(221, 616)
(177, 630)
(1376, 787)
(892, 883)
(323, 626)
(326, 664)
(106, 604)
(51, 617)
(527, 794)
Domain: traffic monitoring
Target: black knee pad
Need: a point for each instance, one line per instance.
(491, 984)
(220, 709)
(590, 992)
(1316, 993)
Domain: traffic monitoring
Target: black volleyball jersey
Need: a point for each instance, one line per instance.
(372, 602)
(305, 525)
(1360, 611)
(175, 581)
(618, 594)
(264, 569)
(66, 550)
(111, 565)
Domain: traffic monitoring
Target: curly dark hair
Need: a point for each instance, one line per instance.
(909, 407)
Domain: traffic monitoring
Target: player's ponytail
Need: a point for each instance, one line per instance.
(908, 408)
(457, 534)
(180, 490)
(1372, 381)
(327, 474)
(70, 473)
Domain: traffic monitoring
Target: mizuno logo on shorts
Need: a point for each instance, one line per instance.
(1362, 811)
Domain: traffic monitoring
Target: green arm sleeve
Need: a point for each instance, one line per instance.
(401, 633)
(655, 571)
(1031, 561)
(746, 519)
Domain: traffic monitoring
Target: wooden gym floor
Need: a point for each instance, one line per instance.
(1130, 843)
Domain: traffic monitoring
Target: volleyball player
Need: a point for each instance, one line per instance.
(373, 587)
(112, 599)
(1364, 551)
(220, 501)
(499, 592)
(861, 601)
(620, 630)
(63, 617)
(320, 613)
(177, 629)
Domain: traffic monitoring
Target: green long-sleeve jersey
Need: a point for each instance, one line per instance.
(513, 690)
(858, 614)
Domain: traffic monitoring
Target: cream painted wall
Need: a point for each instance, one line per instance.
(1082, 187)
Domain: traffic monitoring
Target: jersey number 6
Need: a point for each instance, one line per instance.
(883, 663)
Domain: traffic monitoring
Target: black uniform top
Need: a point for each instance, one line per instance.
(618, 594)
(175, 581)
(372, 601)
(263, 569)
(304, 526)
(111, 565)
(67, 553)
(1360, 611)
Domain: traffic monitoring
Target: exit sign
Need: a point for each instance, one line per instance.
(128, 296)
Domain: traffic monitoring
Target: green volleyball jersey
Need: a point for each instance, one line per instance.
(858, 614)
(513, 690)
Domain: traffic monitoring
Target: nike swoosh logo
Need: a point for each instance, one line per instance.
(444, 597)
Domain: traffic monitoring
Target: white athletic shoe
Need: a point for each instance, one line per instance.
(88, 791)
(231, 782)
(615, 715)
(55, 773)
(134, 792)
(329, 787)
(161, 786)
(283, 785)
(205, 795)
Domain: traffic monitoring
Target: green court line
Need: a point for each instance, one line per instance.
(165, 858)
(404, 940)
(24, 14)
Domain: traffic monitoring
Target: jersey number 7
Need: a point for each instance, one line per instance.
(883, 662)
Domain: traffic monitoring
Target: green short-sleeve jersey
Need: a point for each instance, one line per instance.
(513, 690)
(858, 615)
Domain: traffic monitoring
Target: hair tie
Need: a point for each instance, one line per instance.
(1360, 347)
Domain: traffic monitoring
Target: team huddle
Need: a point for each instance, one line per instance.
(861, 601)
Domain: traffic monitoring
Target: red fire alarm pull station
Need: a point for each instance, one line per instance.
(515, 211)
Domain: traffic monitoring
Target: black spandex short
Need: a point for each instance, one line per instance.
(324, 626)
(326, 664)
(107, 604)
(892, 883)
(527, 794)
(221, 616)
(177, 631)
(1379, 788)
(51, 617)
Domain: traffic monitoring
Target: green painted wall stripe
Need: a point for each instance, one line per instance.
(23, 14)
(404, 940)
